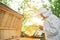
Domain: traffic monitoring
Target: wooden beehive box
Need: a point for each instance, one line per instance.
(10, 22)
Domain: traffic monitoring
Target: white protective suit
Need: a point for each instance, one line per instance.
(51, 25)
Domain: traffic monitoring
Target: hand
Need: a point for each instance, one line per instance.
(41, 27)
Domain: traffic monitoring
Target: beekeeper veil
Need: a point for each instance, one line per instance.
(45, 12)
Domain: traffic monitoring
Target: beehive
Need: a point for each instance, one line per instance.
(10, 22)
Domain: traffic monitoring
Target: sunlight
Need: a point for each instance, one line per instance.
(37, 21)
(15, 4)
(46, 2)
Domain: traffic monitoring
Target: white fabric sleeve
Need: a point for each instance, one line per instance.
(51, 26)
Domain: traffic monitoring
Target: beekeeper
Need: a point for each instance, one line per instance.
(51, 24)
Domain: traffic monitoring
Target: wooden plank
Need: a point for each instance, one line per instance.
(6, 28)
(6, 34)
(1, 16)
(29, 39)
(19, 25)
(12, 22)
(0, 34)
(4, 21)
(9, 21)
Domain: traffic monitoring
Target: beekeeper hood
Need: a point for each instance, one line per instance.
(45, 12)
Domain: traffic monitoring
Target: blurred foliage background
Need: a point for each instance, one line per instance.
(21, 6)
(55, 7)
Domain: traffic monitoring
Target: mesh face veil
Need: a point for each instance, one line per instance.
(45, 12)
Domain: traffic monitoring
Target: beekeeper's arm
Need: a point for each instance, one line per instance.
(51, 26)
